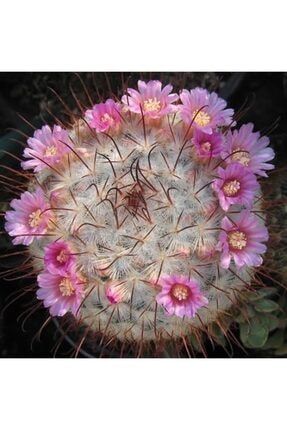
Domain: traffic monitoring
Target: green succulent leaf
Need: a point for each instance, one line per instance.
(261, 293)
(266, 305)
(268, 291)
(244, 331)
(243, 316)
(251, 311)
(240, 319)
(275, 341)
(247, 344)
(271, 321)
(257, 338)
(254, 334)
(254, 296)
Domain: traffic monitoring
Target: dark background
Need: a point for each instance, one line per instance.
(29, 94)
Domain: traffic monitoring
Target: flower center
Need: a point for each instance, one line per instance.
(66, 287)
(237, 239)
(152, 105)
(180, 292)
(241, 157)
(107, 118)
(62, 257)
(50, 151)
(201, 118)
(35, 218)
(231, 188)
(205, 146)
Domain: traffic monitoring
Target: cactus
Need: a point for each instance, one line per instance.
(144, 218)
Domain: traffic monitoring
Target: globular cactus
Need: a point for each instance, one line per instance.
(144, 220)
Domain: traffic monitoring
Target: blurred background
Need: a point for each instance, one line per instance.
(261, 96)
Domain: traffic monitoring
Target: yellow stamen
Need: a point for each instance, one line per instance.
(152, 105)
(231, 188)
(62, 257)
(35, 218)
(180, 291)
(107, 118)
(206, 146)
(201, 118)
(237, 239)
(66, 287)
(241, 157)
(50, 151)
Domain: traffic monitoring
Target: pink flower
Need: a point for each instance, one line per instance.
(60, 294)
(154, 101)
(235, 185)
(117, 292)
(58, 258)
(207, 145)
(29, 217)
(46, 146)
(241, 240)
(180, 296)
(204, 110)
(104, 116)
(249, 149)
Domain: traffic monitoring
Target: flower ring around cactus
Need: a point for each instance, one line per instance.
(144, 218)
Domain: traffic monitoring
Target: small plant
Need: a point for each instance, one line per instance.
(144, 219)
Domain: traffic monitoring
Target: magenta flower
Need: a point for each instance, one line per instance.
(249, 149)
(29, 217)
(235, 185)
(46, 147)
(204, 110)
(242, 240)
(151, 99)
(207, 145)
(104, 117)
(58, 258)
(61, 294)
(180, 296)
(117, 292)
